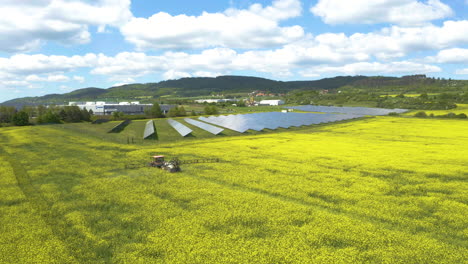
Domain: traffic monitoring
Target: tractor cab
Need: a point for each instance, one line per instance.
(158, 161)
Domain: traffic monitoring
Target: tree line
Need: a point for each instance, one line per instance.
(424, 101)
(449, 115)
(156, 112)
(28, 115)
(42, 115)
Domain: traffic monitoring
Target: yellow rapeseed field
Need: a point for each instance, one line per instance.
(377, 190)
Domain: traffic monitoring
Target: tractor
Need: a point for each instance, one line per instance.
(170, 166)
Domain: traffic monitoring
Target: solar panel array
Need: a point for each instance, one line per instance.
(273, 120)
(183, 130)
(149, 129)
(348, 110)
(210, 128)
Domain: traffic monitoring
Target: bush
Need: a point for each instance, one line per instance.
(177, 111)
(6, 113)
(117, 115)
(420, 114)
(451, 115)
(182, 111)
(173, 112)
(393, 114)
(50, 117)
(211, 110)
(155, 111)
(20, 119)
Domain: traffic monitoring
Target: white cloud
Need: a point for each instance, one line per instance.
(279, 10)
(49, 78)
(207, 74)
(401, 12)
(13, 83)
(102, 13)
(79, 79)
(256, 27)
(309, 74)
(34, 78)
(339, 49)
(128, 64)
(308, 60)
(31, 71)
(325, 50)
(57, 78)
(455, 55)
(23, 64)
(462, 71)
(395, 41)
(25, 25)
(124, 81)
(173, 74)
(172, 65)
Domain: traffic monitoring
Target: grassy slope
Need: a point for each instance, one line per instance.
(386, 190)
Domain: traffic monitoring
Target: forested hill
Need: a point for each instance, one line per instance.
(185, 87)
(203, 86)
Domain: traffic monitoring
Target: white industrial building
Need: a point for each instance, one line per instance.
(129, 108)
(201, 101)
(271, 102)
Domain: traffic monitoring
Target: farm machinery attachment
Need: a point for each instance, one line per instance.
(171, 166)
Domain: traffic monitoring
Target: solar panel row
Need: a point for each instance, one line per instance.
(181, 129)
(212, 129)
(118, 128)
(149, 129)
(348, 110)
(273, 120)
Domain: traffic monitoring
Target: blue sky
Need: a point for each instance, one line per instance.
(56, 46)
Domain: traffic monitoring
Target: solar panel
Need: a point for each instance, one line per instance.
(203, 118)
(118, 128)
(226, 122)
(210, 128)
(181, 129)
(149, 129)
